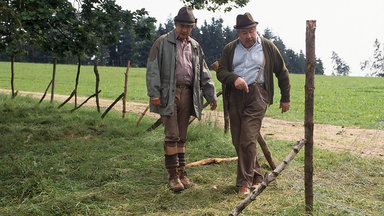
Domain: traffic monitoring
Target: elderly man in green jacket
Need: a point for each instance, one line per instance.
(177, 80)
(246, 71)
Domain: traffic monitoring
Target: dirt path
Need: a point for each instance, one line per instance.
(366, 142)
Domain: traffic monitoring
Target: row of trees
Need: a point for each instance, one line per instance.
(132, 45)
(374, 66)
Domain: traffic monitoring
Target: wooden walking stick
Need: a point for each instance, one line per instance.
(142, 115)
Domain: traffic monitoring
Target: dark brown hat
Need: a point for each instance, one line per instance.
(244, 21)
(185, 16)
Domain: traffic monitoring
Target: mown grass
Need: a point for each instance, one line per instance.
(347, 101)
(53, 162)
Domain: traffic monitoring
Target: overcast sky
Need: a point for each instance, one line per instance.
(348, 27)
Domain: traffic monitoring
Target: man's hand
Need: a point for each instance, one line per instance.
(213, 105)
(241, 84)
(155, 101)
(285, 106)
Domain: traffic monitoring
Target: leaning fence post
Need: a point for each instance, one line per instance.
(308, 122)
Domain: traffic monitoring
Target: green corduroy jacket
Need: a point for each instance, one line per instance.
(161, 75)
(274, 63)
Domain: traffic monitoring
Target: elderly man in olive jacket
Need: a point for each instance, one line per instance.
(246, 71)
(177, 80)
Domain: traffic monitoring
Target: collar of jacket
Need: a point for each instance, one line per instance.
(171, 37)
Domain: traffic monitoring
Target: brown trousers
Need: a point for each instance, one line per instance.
(176, 126)
(246, 112)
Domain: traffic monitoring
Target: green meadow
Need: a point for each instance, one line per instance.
(54, 162)
(347, 101)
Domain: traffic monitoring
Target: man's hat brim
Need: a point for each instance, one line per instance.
(246, 26)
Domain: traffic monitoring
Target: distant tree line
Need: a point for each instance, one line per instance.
(373, 67)
(40, 30)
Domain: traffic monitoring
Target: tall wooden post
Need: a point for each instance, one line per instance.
(77, 79)
(13, 75)
(53, 78)
(125, 89)
(308, 122)
(96, 71)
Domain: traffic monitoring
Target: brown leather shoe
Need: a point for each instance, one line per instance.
(244, 190)
(174, 181)
(183, 178)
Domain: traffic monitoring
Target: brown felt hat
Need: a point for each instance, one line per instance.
(245, 21)
(185, 16)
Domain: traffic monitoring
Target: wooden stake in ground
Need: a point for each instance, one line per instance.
(125, 89)
(155, 125)
(53, 78)
(96, 71)
(113, 104)
(46, 90)
(142, 115)
(86, 101)
(308, 122)
(266, 151)
(267, 179)
(13, 76)
(77, 79)
(66, 101)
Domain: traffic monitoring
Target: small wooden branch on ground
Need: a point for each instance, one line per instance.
(269, 177)
(208, 161)
(113, 104)
(46, 90)
(125, 89)
(86, 101)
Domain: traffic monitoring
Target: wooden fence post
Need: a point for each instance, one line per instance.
(13, 76)
(125, 89)
(96, 71)
(53, 78)
(308, 122)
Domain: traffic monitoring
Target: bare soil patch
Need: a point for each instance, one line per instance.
(365, 142)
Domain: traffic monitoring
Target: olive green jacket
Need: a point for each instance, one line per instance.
(161, 75)
(274, 63)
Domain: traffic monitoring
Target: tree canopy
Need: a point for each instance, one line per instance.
(100, 29)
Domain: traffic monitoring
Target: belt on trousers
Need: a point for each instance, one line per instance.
(257, 83)
(183, 86)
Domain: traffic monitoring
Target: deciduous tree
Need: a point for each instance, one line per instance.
(340, 68)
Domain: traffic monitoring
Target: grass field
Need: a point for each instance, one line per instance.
(53, 162)
(347, 101)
